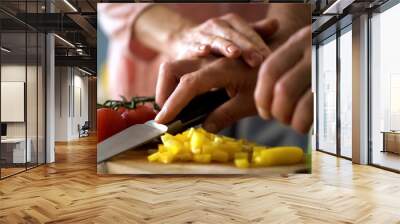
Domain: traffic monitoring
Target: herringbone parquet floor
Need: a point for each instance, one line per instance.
(69, 191)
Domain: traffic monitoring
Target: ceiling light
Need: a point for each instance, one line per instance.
(5, 50)
(337, 7)
(70, 5)
(64, 40)
(84, 71)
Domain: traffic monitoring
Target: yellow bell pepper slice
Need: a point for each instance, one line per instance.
(166, 157)
(277, 156)
(220, 156)
(202, 158)
(242, 163)
(154, 157)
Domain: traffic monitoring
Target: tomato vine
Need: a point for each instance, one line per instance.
(132, 104)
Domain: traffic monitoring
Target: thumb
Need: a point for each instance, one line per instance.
(266, 27)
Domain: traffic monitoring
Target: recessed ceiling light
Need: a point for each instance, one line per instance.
(64, 40)
(337, 7)
(70, 5)
(84, 71)
(5, 50)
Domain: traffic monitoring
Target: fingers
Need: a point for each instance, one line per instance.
(240, 106)
(223, 35)
(278, 63)
(245, 29)
(169, 74)
(220, 45)
(283, 87)
(303, 115)
(189, 86)
(266, 27)
(289, 89)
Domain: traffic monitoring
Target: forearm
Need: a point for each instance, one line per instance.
(291, 17)
(157, 25)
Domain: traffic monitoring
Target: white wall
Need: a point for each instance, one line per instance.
(33, 127)
(16, 73)
(71, 93)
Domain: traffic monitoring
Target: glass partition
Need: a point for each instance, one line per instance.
(14, 151)
(385, 89)
(346, 92)
(327, 95)
(22, 91)
(32, 96)
(41, 96)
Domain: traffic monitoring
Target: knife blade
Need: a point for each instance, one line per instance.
(193, 114)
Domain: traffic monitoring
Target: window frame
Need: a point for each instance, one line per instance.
(378, 10)
(333, 37)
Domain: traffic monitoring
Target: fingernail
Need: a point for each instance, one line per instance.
(263, 113)
(210, 127)
(202, 47)
(232, 49)
(160, 115)
(256, 59)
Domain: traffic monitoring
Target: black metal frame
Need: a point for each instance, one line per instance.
(339, 32)
(44, 77)
(338, 98)
(318, 94)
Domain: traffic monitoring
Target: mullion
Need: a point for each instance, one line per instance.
(338, 98)
(37, 90)
(317, 96)
(26, 86)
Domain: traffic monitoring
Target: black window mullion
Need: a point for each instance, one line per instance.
(338, 77)
(37, 90)
(26, 87)
(317, 96)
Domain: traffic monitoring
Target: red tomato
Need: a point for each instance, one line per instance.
(139, 115)
(109, 122)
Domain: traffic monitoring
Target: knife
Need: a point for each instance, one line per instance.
(193, 114)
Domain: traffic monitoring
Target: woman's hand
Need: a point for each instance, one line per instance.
(229, 35)
(284, 83)
(180, 81)
(282, 92)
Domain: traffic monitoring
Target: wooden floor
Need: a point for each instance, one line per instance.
(69, 191)
(10, 171)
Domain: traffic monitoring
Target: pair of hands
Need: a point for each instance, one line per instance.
(279, 88)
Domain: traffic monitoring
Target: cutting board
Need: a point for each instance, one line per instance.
(135, 162)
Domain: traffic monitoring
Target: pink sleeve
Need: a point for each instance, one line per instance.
(117, 19)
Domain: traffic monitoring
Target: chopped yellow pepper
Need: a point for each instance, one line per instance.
(285, 155)
(202, 158)
(242, 163)
(154, 157)
(202, 147)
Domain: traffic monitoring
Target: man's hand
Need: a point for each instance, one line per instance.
(284, 83)
(180, 81)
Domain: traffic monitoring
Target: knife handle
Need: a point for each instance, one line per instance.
(198, 109)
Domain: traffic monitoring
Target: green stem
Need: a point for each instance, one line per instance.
(132, 104)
